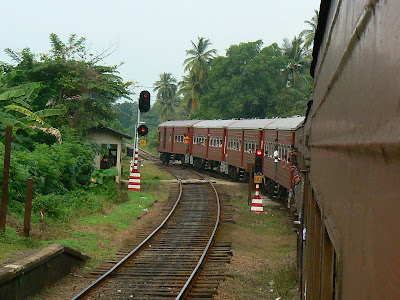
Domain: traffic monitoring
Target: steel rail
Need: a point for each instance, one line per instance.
(185, 290)
(130, 254)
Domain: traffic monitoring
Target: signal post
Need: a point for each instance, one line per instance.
(256, 203)
(142, 130)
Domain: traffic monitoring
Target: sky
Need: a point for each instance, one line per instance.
(150, 36)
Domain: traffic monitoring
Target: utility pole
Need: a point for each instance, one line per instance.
(6, 179)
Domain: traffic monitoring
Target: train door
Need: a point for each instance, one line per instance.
(165, 137)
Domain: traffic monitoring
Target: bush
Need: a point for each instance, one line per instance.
(55, 169)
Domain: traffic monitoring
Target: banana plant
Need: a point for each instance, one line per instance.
(15, 107)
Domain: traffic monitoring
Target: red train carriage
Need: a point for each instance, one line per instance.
(243, 138)
(171, 139)
(209, 142)
(281, 135)
(350, 155)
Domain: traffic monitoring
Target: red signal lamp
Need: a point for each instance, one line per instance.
(259, 152)
(142, 130)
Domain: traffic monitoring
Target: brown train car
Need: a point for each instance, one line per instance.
(171, 135)
(350, 155)
(243, 138)
(280, 134)
(209, 140)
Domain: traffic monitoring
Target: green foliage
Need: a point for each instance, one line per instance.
(71, 78)
(103, 176)
(16, 106)
(57, 169)
(66, 206)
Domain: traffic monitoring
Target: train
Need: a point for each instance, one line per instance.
(346, 204)
(349, 155)
(229, 147)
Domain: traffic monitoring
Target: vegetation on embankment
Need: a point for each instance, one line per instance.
(263, 265)
(97, 227)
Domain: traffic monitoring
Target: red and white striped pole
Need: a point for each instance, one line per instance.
(256, 202)
(134, 178)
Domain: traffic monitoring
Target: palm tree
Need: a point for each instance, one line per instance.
(298, 61)
(167, 98)
(309, 34)
(198, 65)
(165, 86)
(190, 89)
(198, 61)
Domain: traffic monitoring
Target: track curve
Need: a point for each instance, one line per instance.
(165, 264)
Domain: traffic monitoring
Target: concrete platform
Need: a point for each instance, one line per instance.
(29, 275)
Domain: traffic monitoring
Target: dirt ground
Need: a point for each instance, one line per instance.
(253, 269)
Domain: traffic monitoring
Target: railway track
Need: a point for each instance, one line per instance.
(167, 263)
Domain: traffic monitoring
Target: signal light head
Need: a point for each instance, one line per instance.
(259, 152)
(142, 130)
(144, 101)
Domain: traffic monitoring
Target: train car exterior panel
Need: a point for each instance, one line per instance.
(200, 142)
(179, 144)
(352, 142)
(338, 34)
(217, 138)
(252, 142)
(234, 147)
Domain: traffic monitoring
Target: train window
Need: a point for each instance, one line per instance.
(161, 137)
(169, 140)
(220, 141)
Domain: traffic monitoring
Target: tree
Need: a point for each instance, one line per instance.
(15, 107)
(198, 66)
(309, 34)
(167, 98)
(71, 78)
(189, 88)
(244, 83)
(165, 86)
(298, 62)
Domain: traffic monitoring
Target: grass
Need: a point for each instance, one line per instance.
(92, 233)
(264, 252)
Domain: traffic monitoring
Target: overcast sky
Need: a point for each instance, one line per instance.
(151, 36)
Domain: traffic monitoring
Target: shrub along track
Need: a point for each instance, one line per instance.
(167, 263)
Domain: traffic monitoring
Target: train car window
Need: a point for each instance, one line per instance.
(161, 137)
(220, 141)
(169, 140)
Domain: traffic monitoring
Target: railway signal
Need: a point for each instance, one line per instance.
(142, 130)
(259, 161)
(144, 101)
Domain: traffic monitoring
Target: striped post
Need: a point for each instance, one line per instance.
(134, 178)
(256, 202)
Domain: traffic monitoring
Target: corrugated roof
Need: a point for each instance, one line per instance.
(179, 123)
(214, 123)
(286, 123)
(256, 124)
(251, 124)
